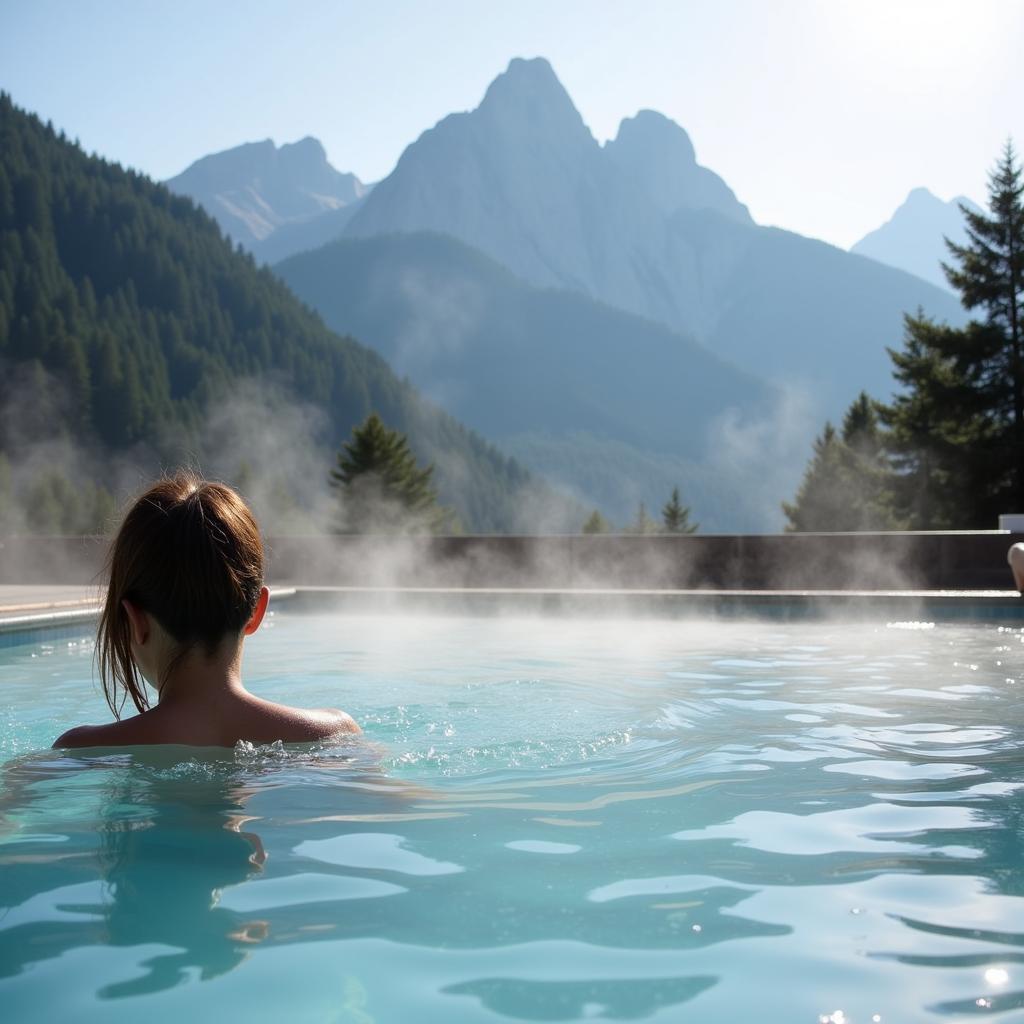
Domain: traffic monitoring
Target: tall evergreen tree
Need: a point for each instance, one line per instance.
(596, 523)
(957, 426)
(942, 436)
(845, 485)
(989, 274)
(381, 487)
(675, 516)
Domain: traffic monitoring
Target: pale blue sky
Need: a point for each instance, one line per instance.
(821, 114)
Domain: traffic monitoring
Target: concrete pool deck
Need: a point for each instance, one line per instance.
(31, 607)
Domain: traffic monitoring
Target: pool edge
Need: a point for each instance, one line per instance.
(944, 605)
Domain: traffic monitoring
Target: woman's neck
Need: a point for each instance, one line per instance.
(201, 678)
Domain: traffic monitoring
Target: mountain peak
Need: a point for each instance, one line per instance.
(527, 74)
(659, 158)
(648, 130)
(307, 148)
(922, 198)
(529, 90)
(914, 237)
(255, 188)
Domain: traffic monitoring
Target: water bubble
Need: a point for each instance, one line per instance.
(984, 1004)
(697, 928)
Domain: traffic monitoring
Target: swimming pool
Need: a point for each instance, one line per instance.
(549, 820)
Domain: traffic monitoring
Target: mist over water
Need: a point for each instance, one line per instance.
(545, 819)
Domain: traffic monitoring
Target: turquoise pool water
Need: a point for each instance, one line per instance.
(548, 821)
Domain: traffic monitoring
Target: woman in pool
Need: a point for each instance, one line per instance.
(185, 589)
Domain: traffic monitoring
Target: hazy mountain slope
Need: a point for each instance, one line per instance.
(507, 357)
(255, 189)
(616, 407)
(913, 239)
(735, 491)
(130, 327)
(300, 236)
(639, 225)
(808, 314)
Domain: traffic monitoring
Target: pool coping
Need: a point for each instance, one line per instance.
(874, 604)
(44, 614)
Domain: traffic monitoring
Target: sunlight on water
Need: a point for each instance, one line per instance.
(545, 821)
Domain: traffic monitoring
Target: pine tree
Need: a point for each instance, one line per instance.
(990, 275)
(381, 487)
(956, 430)
(596, 523)
(676, 516)
(942, 436)
(846, 484)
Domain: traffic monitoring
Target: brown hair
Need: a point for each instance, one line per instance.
(189, 553)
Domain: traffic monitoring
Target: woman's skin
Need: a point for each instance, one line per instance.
(202, 701)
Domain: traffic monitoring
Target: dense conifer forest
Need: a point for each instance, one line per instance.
(125, 316)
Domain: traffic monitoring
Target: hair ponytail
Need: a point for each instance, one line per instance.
(189, 553)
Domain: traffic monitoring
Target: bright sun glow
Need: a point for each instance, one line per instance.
(916, 35)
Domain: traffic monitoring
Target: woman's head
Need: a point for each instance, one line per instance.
(188, 554)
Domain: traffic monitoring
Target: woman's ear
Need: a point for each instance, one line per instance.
(138, 622)
(257, 616)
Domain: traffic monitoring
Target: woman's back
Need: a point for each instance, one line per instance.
(185, 590)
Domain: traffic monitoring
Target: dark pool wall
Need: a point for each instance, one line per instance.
(841, 561)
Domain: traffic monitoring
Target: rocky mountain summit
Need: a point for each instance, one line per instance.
(913, 239)
(640, 225)
(522, 179)
(257, 189)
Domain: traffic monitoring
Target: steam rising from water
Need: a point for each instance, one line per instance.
(830, 811)
(767, 453)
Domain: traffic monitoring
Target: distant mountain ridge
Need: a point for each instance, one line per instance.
(507, 357)
(639, 225)
(257, 189)
(913, 239)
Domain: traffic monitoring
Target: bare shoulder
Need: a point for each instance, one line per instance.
(335, 721)
(322, 723)
(110, 735)
(79, 736)
(293, 724)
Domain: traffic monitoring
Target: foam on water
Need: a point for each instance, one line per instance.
(544, 821)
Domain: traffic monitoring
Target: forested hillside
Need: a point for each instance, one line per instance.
(126, 313)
